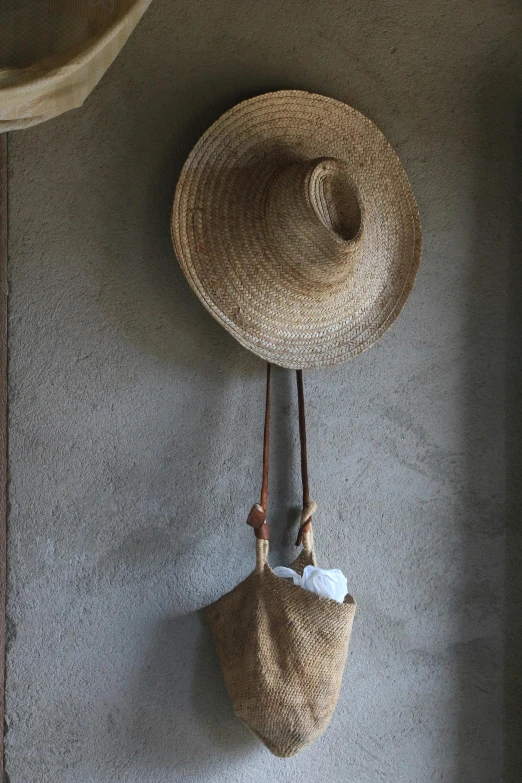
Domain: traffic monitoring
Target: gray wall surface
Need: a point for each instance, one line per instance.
(136, 421)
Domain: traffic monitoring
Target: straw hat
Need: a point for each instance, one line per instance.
(296, 226)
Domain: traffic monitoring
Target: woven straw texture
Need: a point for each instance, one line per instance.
(282, 651)
(296, 226)
(54, 53)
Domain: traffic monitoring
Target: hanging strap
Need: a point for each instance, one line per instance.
(258, 513)
(309, 506)
(257, 516)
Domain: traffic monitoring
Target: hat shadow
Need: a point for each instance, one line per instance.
(139, 283)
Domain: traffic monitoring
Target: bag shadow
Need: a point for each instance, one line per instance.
(183, 716)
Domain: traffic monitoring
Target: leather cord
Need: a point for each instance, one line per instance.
(257, 516)
(308, 506)
(266, 440)
(258, 513)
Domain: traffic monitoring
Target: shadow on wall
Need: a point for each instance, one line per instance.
(513, 614)
(490, 530)
(156, 283)
(183, 718)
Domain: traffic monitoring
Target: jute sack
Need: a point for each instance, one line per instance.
(282, 648)
(53, 53)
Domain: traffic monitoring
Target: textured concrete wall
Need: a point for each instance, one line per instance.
(135, 420)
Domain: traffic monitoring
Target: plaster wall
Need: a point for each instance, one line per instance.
(135, 421)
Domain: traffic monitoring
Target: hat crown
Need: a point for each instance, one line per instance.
(314, 219)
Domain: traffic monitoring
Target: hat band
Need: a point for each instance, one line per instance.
(315, 220)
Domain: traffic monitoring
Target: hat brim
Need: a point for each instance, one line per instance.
(218, 237)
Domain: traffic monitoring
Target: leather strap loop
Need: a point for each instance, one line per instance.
(257, 520)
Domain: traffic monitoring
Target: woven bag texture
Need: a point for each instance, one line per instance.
(282, 651)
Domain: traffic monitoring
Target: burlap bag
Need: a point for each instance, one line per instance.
(282, 648)
(53, 53)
